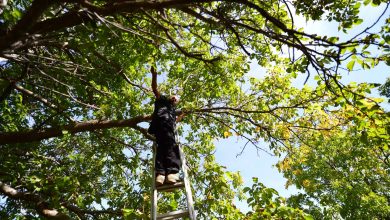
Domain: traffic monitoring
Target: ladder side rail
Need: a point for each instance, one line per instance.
(153, 214)
(190, 201)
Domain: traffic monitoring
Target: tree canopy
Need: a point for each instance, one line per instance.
(75, 102)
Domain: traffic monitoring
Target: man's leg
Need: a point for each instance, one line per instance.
(172, 162)
(159, 164)
(169, 156)
(160, 159)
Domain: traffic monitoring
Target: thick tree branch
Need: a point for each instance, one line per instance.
(73, 18)
(20, 30)
(81, 212)
(38, 135)
(39, 202)
(33, 135)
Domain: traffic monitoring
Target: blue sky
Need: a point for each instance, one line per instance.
(253, 163)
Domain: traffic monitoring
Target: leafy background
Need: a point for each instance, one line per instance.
(76, 101)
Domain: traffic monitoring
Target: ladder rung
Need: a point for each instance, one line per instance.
(170, 187)
(173, 215)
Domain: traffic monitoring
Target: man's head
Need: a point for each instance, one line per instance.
(174, 99)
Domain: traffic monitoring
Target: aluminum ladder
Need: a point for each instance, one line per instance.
(190, 211)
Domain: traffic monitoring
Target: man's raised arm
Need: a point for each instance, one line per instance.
(154, 82)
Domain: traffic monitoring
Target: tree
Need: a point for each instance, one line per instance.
(344, 169)
(75, 100)
(385, 88)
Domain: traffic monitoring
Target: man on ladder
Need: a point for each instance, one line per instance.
(169, 156)
(163, 128)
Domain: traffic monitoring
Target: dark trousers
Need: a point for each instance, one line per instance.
(167, 155)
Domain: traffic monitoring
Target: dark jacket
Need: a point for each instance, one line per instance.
(164, 116)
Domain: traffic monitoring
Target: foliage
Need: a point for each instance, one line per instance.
(385, 89)
(75, 100)
(267, 204)
(347, 165)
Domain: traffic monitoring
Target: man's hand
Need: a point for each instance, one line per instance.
(180, 117)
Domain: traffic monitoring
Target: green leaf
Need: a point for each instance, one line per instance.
(308, 217)
(358, 21)
(366, 2)
(350, 65)
(333, 39)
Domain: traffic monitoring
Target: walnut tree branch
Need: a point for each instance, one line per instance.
(40, 204)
